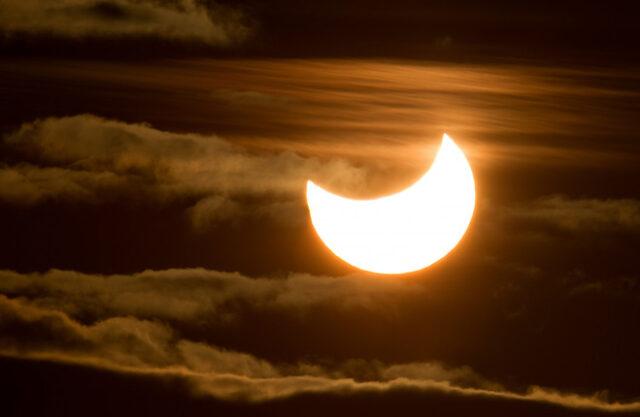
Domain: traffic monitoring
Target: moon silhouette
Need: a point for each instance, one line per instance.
(402, 232)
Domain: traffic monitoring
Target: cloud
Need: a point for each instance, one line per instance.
(184, 20)
(93, 160)
(130, 345)
(582, 214)
(177, 323)
(189, 294)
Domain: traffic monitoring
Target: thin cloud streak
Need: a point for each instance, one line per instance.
(392, 111)
(582, 214)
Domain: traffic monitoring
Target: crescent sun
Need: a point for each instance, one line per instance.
(402, 232)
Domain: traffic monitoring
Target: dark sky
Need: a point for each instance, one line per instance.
(157, 256)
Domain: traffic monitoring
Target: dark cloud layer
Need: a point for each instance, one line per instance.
(183, 318)
(458, 30)
(184, 20)
(134, 346)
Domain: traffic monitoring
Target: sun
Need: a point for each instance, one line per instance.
(402, 232)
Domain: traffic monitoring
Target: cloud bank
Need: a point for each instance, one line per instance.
(184, 20)
(92, 160)
(131, 345)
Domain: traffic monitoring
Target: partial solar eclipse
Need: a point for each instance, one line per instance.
(402, 232)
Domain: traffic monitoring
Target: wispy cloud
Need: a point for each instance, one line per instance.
(581, 214)
(393, 112)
